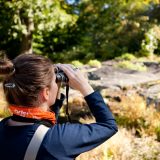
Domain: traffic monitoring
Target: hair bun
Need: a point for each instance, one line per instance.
(6, 67)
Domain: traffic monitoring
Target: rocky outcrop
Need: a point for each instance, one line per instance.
(109, 76)
(146, 83)
(115, 83)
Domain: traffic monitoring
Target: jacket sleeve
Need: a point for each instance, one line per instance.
(74, 139)
(57, 105)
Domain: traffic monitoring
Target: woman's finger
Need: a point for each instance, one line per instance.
(68, 69)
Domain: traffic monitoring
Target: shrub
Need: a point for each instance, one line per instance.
(150, 42)
(127, 56)
(77, 63)
(94, 63)
(131, 112)
(132, 66)
(124, 146)
(157, 130)
(145, 148)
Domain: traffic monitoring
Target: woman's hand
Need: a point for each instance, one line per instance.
(76, 79)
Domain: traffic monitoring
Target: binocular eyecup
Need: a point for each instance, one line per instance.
(61, 76)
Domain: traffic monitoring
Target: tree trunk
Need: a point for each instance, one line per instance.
(26, 43)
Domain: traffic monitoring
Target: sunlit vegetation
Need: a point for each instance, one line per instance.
(77, 63)
(87, 32)
(126, 56)
(94, 63)
(81, 30)
(124, 145)
(132, 65)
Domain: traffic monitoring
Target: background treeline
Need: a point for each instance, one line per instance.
(80, 29)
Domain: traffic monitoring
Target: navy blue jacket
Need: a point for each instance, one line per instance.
(62, 141)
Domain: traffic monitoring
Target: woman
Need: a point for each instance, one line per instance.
(31, 91)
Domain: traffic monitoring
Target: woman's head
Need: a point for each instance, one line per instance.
(25, 79)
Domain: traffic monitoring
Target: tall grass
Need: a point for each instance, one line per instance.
(3, 104)
(125, 146)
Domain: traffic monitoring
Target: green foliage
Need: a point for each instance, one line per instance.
(132, 66)
(157, 130)
(127, 56)
(30, 22)
(149, 43)
(111, 27)
(5, 113)
(82, 31)
(94, 63)
(130, 123)
(77, 63)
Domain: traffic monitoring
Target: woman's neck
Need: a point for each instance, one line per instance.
(44, 107)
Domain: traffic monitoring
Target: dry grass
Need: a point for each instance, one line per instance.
(131, 112)
(125, 146)
(3, 104)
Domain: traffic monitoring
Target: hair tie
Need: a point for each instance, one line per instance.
(9, 85)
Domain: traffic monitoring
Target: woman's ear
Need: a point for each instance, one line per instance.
(45, 93)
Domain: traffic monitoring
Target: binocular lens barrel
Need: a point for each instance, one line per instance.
(60, 75)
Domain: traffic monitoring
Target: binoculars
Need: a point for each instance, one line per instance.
(60, 76)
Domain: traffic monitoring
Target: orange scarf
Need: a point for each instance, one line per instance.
(33, 112)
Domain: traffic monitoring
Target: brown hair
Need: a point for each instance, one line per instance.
(25, 77)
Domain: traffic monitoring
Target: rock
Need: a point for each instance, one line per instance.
(92, 76)
(154, 65)
(119, 79)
